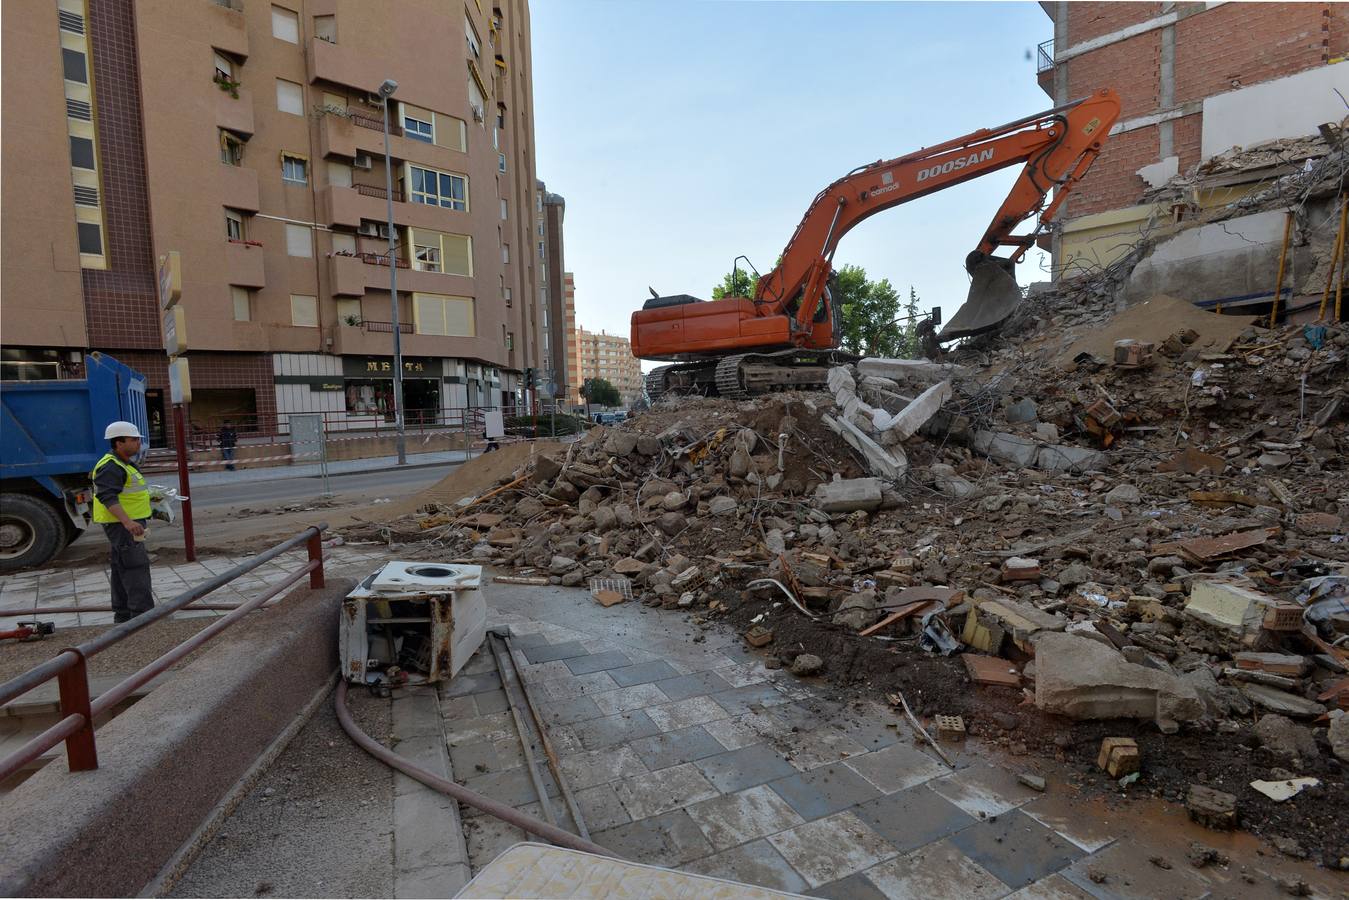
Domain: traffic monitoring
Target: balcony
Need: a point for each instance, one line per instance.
(348, 206)
(220, 25)
(367, 341)
(238, 187)
(361, 131)
(344, 65)
(244, 264)
(234, 114)
(1044, 56)
(346, 275)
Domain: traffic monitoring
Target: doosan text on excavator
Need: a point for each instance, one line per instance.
(787, 334)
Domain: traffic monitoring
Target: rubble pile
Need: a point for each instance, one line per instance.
(1147, 536)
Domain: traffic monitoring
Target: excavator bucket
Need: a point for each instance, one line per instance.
(993, 295)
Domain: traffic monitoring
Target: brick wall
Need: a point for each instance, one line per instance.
(1090, 20)
(1186, 135)
(1113, 181)
(210, 370)
(121, 308)
(1131, 67)
(1240, 44)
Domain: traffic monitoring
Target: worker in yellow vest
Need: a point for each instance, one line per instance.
(122, 507)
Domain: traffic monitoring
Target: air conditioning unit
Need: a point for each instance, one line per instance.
(369, 229)
(362, 161)
(383, 231)
(477, 112)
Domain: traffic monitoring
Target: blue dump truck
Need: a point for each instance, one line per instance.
(51, 434)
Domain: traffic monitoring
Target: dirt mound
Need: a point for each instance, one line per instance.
(475, 477)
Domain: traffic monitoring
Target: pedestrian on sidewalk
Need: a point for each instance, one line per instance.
(227, 439)
(122, 507)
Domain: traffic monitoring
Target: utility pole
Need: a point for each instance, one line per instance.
(386, 91)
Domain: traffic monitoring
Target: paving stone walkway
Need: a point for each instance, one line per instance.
(89, 586)
(684, 751)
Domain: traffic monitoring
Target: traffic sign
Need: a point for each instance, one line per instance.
(170, 279)
(180, 384)
(175, 331)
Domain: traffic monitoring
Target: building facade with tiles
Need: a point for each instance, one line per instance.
(1194, 79)
(554, 294)
(607, 356)
(247, 135)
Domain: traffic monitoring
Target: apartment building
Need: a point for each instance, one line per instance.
(607, 356)
(554, 363)
(569, 335)
(1195, 80)
(248, 136)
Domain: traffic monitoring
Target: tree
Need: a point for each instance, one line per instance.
(601, 392)
(869, 310)
(736, 283)
(909, 340)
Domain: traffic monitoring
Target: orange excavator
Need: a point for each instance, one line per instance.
(787, 335)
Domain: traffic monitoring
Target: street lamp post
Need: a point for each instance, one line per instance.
(386, 91)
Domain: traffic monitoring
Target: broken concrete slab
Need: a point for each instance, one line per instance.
(907, 421)
(849, 494)
(1079, 678)
(923, 370)
(857, 611)
(890, 464)
(1281, 702)
(1066, 458)
(1227, 605)
(1007, 447)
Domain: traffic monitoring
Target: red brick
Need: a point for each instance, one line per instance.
(1092, 20)
(1240, 44)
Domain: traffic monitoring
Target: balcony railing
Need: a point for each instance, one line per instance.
(381, 259)
(385, 327)
(371, 190)
(1044, 57)
(373, 123)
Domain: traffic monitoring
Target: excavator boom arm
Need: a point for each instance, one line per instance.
(1057, 147)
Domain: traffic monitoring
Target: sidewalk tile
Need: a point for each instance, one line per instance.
(595, 662)
(1055, 887)
(758, 863)
(683, 713)
(914, 817)
(675, 747)
(982, 788)
(812, 749)
(1016, 848)
(697, 684)
(824, 791)
(549, 652)
(583, 770)
(627, 698)
(667, 840)
(736, 770)
(897, 767)
(937, 870)
(565, 712)
(662, 791)
(643, 673)
(600, 808)
(854, 887)
(833, 848)
(741, 817)
(609, 730)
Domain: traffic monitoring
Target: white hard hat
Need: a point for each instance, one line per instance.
(120, 429)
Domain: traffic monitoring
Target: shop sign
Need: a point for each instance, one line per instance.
(382, 367)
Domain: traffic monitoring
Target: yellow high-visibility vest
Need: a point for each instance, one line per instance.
(134, 498)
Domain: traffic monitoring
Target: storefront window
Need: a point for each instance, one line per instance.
(370, 398)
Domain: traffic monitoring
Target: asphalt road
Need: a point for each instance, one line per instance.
(394, 481)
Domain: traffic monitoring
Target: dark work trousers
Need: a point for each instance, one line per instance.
(130, 560)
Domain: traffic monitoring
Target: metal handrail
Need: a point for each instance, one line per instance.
(373, 123)
(70, 666)
(373, 190)
(1044, 56)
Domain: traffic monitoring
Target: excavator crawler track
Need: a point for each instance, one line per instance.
(747, 374)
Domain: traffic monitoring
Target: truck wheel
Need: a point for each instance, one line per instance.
(30, 532)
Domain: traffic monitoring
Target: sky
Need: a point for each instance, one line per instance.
(683, 134)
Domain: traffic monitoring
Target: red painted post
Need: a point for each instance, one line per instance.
(73, 683)
(180, 429)
(316, 555)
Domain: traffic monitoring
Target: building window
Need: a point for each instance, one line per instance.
(510, 340)
(81, 152)
(541, 254)
(503, 209)
(505, 253)
(224, 67)
(325, 28)
(231, 148)
(434, 251)
(75, 68)
(299, 241)
(419, 124)
(426, 257)
(304, 311)
(471, 34)
(501, 162)
(243, 304)
(285, 25)
(294, 169)
(339, 173)
(344, 243)
(91, 237)
(442, 315)
(507, 293)
(289, 97)
(349, 312)
(234, 225)
(438, 188)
